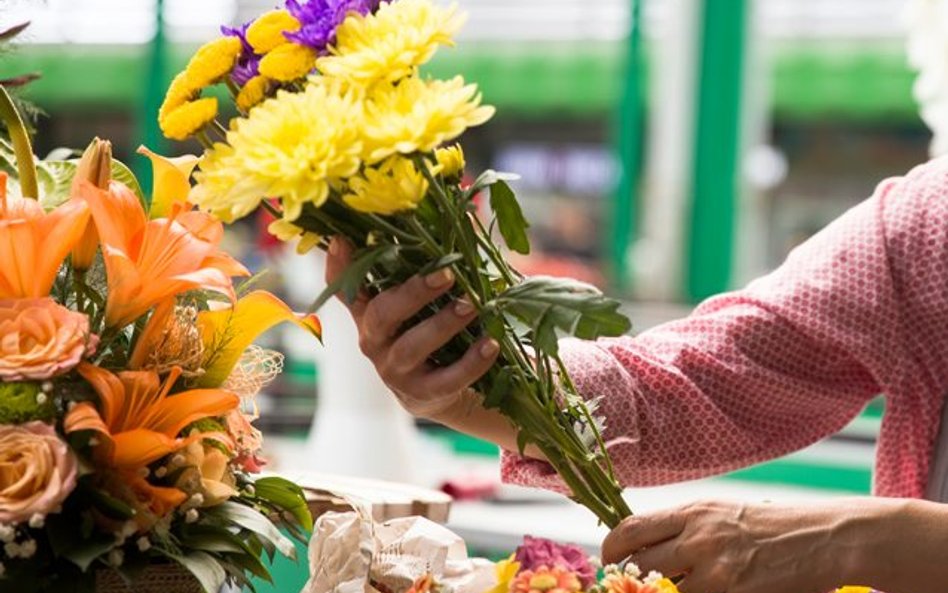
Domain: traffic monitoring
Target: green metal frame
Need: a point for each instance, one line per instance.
(715, 179)
(628, 145)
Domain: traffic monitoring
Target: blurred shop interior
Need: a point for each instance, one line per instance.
(669, 149)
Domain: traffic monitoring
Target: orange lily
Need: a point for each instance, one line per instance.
(137, 418)
(34, 243)
(148, 261)
(95, 166)
(228, 332)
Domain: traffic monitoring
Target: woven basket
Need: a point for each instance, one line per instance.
(158, 578)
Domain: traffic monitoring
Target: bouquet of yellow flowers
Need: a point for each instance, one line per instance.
(127, 379)
(337, 132)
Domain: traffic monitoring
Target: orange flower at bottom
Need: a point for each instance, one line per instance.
(546, 580)
(138, 421)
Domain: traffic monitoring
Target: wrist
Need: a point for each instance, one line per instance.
(878, 539)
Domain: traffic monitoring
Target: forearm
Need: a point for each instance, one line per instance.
(905, 550)
(470, 417)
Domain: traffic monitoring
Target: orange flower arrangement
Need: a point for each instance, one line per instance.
(120, 330)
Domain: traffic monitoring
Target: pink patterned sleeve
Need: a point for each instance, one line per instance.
(764, 371)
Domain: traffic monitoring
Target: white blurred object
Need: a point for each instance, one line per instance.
(350, 553)
(927, 22)
(358, 429)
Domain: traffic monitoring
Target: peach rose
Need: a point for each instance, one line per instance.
(37, 471)
(40, 339)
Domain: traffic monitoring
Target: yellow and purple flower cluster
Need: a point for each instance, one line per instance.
(331, 104)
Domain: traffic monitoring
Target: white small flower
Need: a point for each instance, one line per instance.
(94, 442)
(161, 472)
(251, 490)
(632, 569)
(196, 500)
(611, 568)
(129, 528)
(191, 516)
(143, 543)
(595, 561)
(41, 398)
(28, 548)
(653, 577)
(144, 472)
(11, 549)
(37, 521)
(7, 533)
(178, 460)
(47, 387)
(116, 557)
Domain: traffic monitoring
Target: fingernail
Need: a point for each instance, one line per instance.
(489, 348)
(463, 308)
(439, 279)
(334, 246)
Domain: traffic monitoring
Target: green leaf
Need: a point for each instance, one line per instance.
(86, 552)
(286, 495)
(124, 175)
(210, 538)
(499, 389)
(205, 568)
(55, 181)
(441, 262)
(353, 277)
(550, 305)
(510, 219)
(256, 522)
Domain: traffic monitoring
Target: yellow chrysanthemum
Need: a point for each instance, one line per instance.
(253, 92)
(667, 586)
(417, 115)
(266, 33)
(290, 147)
(288, 62)
(212, 62)
(391, 187)
(185, 120)
(286, 231)
(451, 160)
(390, 44)
(179, 92)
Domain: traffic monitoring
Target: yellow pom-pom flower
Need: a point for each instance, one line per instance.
(417, 115)
(253, 92)
(390, 44)
(290, 147)
(185, 120)
(393, 186)
(286, 231)
(212, 62)
(288, 62)
(179, 92)
(451, 161)
(266, 33)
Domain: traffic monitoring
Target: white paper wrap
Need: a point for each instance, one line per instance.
(349, 553)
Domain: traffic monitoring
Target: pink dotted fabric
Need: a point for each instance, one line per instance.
(858, 310)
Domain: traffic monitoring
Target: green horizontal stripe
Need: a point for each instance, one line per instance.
(859, 80)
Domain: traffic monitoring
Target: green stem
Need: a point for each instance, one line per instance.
(25, 162)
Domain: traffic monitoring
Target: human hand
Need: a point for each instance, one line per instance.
(401, 359)
(754, 548)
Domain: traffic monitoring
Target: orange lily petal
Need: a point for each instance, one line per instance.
(228, 332)
(174, 413)
(84, 416)
(110, 389)
(139, 447)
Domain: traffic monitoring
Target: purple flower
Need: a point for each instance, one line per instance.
(536, 552)
(248, 64)
(320, 18)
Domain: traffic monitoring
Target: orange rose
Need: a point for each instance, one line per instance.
(40, 339)
(37, 471)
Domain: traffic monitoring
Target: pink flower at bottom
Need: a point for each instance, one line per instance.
(37, 471)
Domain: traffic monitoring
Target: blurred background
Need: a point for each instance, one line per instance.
(669, 150)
